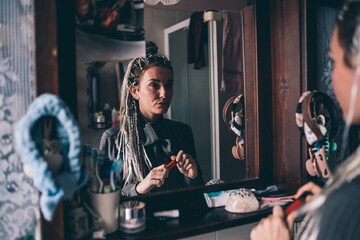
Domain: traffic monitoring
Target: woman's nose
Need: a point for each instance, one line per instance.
(163, 92)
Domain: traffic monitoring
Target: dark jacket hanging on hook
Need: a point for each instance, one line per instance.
(197, 38)
(232, 64)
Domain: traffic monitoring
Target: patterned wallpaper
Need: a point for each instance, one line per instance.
(19, 212)
(325, 25)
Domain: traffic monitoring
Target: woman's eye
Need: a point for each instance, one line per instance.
(154, 85)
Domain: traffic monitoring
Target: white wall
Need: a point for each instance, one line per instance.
(156, 20)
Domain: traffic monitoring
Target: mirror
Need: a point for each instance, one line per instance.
(108, 35)
(197, 99)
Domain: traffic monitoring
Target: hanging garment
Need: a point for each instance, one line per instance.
(197, 38)
(232, 64)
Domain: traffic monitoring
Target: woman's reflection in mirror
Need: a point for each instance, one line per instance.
(144, 139)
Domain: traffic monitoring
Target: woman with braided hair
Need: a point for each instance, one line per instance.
(334, 211)
(144, 139)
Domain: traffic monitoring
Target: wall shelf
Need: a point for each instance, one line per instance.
(98, 48)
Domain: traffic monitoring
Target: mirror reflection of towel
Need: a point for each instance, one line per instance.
(197, 38)
(232, 64)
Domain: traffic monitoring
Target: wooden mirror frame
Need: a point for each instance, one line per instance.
(56, 73)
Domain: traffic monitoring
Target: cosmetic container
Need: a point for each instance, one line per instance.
(132, 216)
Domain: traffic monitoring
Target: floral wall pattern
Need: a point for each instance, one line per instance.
(19, 211)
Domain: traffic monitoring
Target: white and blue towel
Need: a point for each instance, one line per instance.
(53, 187)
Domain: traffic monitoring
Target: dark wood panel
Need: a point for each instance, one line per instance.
(54, 229)
(308, 66)
(47, 81)
(67, 53)
(55, 50)
(286, 82)
(250, 93)
(264, 90)
(46, 47)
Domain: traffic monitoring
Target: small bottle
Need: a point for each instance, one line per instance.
(107, 114)
(114, 118)
(100, 121)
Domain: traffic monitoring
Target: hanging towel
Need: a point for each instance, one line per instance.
(232, 64)
(197, 38)
(53, 187)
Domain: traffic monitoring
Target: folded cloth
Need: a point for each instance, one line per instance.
(28, 134)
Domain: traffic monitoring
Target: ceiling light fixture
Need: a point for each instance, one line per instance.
(164, 2)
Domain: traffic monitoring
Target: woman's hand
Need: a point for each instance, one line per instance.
(186, 164)
(309, 187)
(273, 227)
(155, 178)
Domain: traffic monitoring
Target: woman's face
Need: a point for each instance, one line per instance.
(154, 92)
(342, 78)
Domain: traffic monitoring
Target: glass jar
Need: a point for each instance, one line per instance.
(132, 216)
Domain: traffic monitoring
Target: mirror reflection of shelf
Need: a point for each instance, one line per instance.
(95, 48)
(104, 81)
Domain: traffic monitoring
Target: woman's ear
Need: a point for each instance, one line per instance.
(133, 90)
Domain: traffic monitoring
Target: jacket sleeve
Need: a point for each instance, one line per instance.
(107, 142)
(129, 190)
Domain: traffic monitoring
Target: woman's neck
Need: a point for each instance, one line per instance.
(152, 118)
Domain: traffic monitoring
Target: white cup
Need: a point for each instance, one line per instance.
(106, 206)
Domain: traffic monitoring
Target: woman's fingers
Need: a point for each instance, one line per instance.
(158, 179)
(271, 228)
(179, 157)
(309, 187)
(290, 219)
(189, 166)
(160, 172)
(155, 178)
(158, 182)
(186, 164)
(278, 211)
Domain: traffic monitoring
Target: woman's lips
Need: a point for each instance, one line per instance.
(162, 103)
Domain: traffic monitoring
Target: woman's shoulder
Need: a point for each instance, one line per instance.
(347, 193)
(340, 211)
(351, 188)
